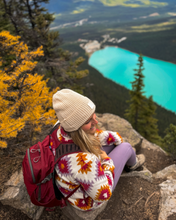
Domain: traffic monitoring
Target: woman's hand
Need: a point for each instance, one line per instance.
(103, 155)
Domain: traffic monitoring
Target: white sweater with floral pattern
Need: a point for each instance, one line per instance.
(86, 170)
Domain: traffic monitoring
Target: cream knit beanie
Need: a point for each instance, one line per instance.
(72, 109)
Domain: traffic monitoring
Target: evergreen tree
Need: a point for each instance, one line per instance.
(169, 142)
(5, 23)
(137, 102)
(141, 111)
(32, 22)
(148, 123)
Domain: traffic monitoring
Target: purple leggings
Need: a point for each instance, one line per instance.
(121, 155)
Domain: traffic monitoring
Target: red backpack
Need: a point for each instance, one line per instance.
(39, 173)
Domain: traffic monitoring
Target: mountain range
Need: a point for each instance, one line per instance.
(70, 10)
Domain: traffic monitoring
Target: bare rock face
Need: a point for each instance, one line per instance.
(166, 173)
(167, 205)
(144, 174)
(168, 199)
(149, 145)
(17, 197)
(75, 214)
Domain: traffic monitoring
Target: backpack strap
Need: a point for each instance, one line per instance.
(30, 164)
(61, 149)
(54, 128)
(63, 200)
(64, 149)
(59, 195)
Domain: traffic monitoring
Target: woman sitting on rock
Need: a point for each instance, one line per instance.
(102, 157)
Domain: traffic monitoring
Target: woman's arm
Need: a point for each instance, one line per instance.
(109, 137)
(95, 176)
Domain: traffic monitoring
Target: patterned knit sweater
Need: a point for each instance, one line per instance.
(86, 169)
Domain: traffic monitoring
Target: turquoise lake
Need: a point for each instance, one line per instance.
(118, 65)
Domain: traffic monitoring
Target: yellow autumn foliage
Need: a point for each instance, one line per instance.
(24, 97)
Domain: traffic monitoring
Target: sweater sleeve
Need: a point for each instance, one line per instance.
(109, 137)
(95, 177)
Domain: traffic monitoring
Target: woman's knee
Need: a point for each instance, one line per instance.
(125, 145)
(123, 150)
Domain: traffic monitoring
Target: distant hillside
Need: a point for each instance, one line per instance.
(99, 10)
(150, 31)
(79, 6)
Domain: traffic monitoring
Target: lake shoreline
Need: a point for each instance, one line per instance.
(106, 46)
(107, 61)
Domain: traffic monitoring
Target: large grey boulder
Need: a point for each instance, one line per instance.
(75, 214)
(144, 174)
(148, 145)
(167, 205)
(168, 199)
(16, 196)
(167, 173)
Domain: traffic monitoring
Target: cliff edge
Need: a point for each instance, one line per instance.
(146, 194)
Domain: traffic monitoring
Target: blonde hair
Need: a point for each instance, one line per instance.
(86, 142)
